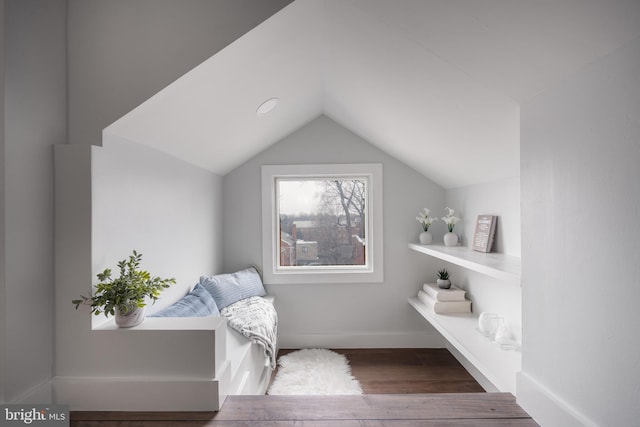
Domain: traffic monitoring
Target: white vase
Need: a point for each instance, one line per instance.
(131, 318)
(451, 239)
(425, 238)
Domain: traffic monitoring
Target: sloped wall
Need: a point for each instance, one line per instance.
(340, 315)
(123, 52)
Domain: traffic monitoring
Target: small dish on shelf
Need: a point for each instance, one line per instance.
(508, 346)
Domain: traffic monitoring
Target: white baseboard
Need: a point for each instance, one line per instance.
(137, 394)
(362, 340)
(40, 394)
(546, 407)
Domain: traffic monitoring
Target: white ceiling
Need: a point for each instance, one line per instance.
(435, 83)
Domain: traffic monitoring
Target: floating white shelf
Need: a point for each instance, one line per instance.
(499, 266)
(497, 365)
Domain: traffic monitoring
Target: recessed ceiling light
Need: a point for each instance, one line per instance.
(267, 106)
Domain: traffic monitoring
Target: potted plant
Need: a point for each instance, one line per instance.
(425, 221)
(125, 297)
(450, 238)
(443, 281)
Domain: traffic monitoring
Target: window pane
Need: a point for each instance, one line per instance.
(322, 222)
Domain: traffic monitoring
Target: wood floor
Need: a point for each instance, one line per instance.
(403, 387)
(409, 371)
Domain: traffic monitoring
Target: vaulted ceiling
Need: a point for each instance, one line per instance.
(438, 84)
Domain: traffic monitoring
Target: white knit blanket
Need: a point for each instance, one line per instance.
(256, 319)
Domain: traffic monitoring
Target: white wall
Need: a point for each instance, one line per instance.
(111, 200)
(3, 366)
(339, 315)
(501, 198)
(120, 52)
(581, 244)
(166, 209)
(34, 119)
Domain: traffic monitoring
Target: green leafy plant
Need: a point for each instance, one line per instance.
(443, 274)
(126, 292)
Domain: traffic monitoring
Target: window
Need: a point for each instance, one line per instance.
(322, 223)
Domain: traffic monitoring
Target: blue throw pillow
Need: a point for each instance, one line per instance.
(229, 288)
(197, 303)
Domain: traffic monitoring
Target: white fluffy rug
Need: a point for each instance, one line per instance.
(314, 372)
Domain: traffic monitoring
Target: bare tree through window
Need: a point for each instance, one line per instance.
(322, 221)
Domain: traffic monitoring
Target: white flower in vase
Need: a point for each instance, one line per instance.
(450, 239)
(425, 221)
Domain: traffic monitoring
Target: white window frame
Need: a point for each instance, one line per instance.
(371, 273)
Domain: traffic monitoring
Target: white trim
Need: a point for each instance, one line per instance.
(373, 273)
(362, 340)
(546, 407)
(40, 394)
(128, 394)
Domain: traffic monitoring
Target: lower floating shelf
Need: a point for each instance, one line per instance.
(495, 364)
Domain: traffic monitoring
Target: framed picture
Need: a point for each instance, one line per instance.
(484, 233)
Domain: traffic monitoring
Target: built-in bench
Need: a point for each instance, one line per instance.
(107, 200)
(217, 360)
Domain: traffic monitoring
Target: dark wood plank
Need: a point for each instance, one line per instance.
(317, 423)
(458, 409)
(372, 407)
(416, 386)
(140, 416)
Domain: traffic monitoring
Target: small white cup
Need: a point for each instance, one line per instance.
(488, 324)
(503, 334)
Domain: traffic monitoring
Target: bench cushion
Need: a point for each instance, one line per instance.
(197, 303)
(229, 288)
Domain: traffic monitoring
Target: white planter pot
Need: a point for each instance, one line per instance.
(131, 318)
(443, 283)
(451, 239)
(426, 238)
